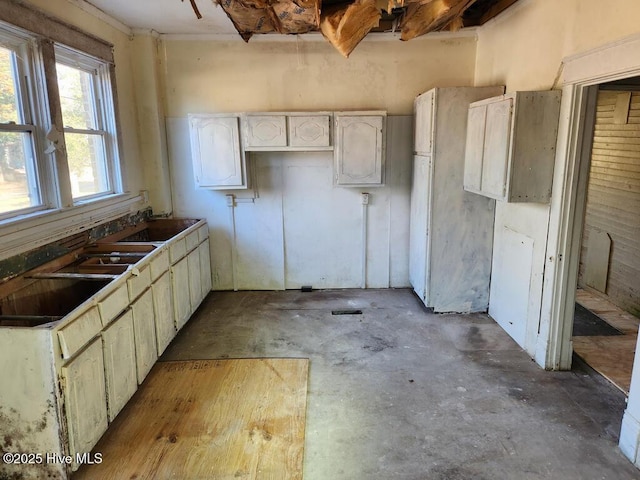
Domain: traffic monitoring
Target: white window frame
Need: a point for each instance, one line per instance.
(29, 76)
(59, 215)
(105, 116)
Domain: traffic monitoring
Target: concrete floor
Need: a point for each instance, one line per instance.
(401, 393)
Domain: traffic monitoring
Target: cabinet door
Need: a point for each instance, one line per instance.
(195, 287)
(218, 161)
(119, 363)
(359, 149)
(423, 133)
(180, 289)
(265, 131)
(85, 398)
(145, 334)
(163, 310)
(205, 267)
(495, 158)
(474, 148)
(419, 225)
(309, 131)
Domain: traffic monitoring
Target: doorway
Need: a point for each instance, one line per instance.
(607, 308)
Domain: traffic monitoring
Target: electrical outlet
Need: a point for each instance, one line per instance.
(230, 200)
(365, 198)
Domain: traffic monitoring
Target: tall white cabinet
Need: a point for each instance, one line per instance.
(451, 232)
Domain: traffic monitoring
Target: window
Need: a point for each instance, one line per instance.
(19, 178)
(84, 87)
(34, 173)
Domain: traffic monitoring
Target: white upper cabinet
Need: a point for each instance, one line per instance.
(265, 131)
(283, 131)
(510, 147)
(423, 128)
(359, 151)
(309, 131)
(474, 147)
(218, 159)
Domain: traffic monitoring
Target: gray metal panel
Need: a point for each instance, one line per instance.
(534, 146)
(462, 222)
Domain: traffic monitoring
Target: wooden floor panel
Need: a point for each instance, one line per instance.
(210, 419)
(611, 356)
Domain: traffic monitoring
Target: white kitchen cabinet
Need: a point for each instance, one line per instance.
(163, 312)
(265, 131)
(510, 146)
(419, 224)
(359, 150)
(144, 327)
(423, 125)
(181, 294)
(451, 231)
(195, 280)
(76, 373)
(309, 130)
(119, 348)
(205, 268)
(217, 155)
(85, 398)
(78, 332)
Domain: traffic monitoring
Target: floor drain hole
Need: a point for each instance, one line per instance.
(346, 312)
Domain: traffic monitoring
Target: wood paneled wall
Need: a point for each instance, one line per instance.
(613, 195)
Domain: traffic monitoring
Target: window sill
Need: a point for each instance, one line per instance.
(26, 232)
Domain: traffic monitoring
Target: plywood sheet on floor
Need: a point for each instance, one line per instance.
(611, 356)
(235, 419)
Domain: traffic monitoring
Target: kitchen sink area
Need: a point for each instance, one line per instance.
(79, 333)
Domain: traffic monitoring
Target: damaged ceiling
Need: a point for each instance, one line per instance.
(346, 23)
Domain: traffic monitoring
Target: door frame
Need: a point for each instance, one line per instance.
(582, 73)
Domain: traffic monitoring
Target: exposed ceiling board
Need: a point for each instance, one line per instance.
(168, 16)
(178, 17)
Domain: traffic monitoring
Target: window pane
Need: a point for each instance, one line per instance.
(9, 111)
(17, 180)
(76, 97)
(87, 165)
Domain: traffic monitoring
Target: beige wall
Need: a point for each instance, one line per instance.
(523, 48)
(66, 11)
(309, 74)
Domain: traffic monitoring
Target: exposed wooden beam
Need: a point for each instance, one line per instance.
(346, 25)
(424, 17)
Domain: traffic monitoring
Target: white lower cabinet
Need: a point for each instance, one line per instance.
(163, 312)
(145, 334)
(85, 399)
(195, 281)
(87, 366)
(205, 267)
(119, 363)
(181, 295)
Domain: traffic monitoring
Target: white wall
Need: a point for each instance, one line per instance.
(280, 242)
(294, 227)
(523, 49)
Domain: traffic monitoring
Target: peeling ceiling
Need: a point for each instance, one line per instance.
(344, 23)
